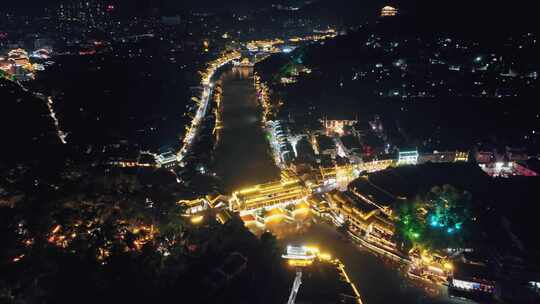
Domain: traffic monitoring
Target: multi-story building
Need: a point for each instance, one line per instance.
(472, 279)
(364, 219)
(337, 126)
(269, 195)
(375, 165)
(443, 157)
(408, 157)
(167, 159)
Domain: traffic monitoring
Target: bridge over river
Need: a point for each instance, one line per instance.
(243, 158)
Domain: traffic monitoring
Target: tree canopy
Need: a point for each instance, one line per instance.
(438, 219)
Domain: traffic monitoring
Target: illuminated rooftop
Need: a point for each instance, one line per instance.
(388, 11)
(264, 195)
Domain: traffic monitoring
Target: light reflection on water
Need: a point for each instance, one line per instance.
(379, 280)
(285, 227)
(243, 72)
(242, 155)
(243, 159)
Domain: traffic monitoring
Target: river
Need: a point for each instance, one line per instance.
(243, 158)
(242, 155)
(378, 282)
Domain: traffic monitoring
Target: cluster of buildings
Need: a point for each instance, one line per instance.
(281, 148)
(506, 164)
(341, 142)
(91, 12)
(471, 276)
(16, 64)
(295, 198)
(124, 155)
(324, 189)
(271, 45)
(432, 70)
(365, 219)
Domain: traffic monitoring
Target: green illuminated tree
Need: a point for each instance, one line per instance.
(436, 220)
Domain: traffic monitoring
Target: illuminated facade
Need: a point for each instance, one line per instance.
(388, 11)
(167, 159)
(337, 126)
(17, 66)
(264, 45)
(340, 176)
(299, 253)
(374, 166)
(472, 278)
(408, 157)
(281, 148)
(337, 177)
(269, 195)
(461, 156)
(364, 219)
(444, 157)
(330, 33)
(200, 204)
(428, 265)
(506, 169)
(194, 206)
(206, 77)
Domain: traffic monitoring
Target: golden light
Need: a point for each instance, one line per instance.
(274, 218)
(18, 258)
(427, 258)
(300, 263)
(448, 266)
(301, 211)
(56, 229)
(325, 256)
(197, 219)
(388, 11)
(312, 249)
(435, 269)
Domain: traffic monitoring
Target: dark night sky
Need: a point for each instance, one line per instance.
(470, 12)
(453, 5)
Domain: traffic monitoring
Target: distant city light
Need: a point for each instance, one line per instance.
(388, 11)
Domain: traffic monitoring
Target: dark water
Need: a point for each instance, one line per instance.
(243, 156)
(378, 282)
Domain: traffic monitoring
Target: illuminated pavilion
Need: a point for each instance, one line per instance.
(388, 11)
